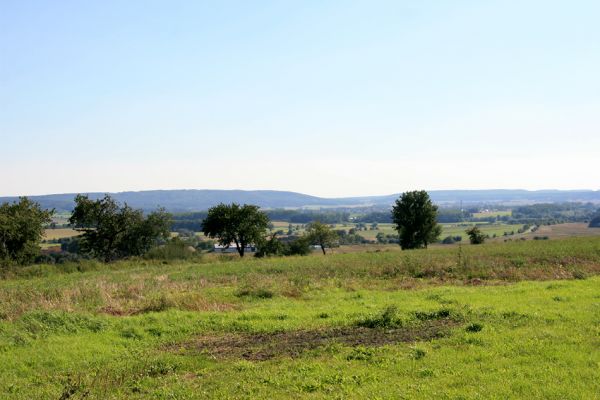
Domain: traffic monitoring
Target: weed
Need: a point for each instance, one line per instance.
(426, 316)
(474, 327)
(258, 293)
(131, 333)
(417, 353)
(361, 353)
(386, 319)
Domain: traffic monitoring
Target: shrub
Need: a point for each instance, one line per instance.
(386, 319)
(298, 247)
(174, 249)
(259, 293)
(474, 327)
(475, 235)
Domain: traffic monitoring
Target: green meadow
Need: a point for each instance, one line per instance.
(496, 321)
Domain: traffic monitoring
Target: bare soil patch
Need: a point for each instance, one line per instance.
(264, 346)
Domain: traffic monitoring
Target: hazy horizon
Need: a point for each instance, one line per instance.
(291, 191)
(335, 99)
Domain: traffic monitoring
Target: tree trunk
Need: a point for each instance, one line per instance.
(323, 248)
(241, 246)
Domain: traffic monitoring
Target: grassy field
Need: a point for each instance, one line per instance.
(488, 229)
(501, 320)
(447, 229)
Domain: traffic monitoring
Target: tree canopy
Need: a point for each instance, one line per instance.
(232, 223)
(415, 217)
(111, 231)
(595, 221)
(322, 235)
(21, 230)
(476, 236)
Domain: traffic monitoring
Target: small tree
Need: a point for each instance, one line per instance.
(111, 231)
(21, 230)
(322, 235)
(242, 225)
(415, 217)
(475, 235)
(595, 221)
(298, 247)
(270, 246)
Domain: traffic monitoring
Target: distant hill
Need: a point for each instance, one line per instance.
(198, 200)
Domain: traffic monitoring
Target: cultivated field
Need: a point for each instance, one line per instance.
(501, 320)
(453, 229)
(59, 233)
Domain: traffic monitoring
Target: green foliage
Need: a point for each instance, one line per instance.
(415, 217)
(475, 235)
(298, 247)
(270, 247)
(595, 221)
(320, 234)
(474, 327)
(388, 318)
(174, 249)
(21, 230)
(242, 225)
(452, 239)
(259, 293)
(111, 231)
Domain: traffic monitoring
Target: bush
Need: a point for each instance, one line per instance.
(298, 247)
(174, 249)
(476, 236)
(259, 293)
(451, 239)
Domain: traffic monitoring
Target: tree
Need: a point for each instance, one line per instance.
(242, 225)
(475, 235)
(111, 231)
(298, 247)
(322, 235)
(415, 217)
(595, 221)
(21, 230)
(270, 247)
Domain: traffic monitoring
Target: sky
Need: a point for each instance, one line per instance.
(329, 98)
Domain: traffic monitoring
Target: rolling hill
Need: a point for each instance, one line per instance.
(198, 200)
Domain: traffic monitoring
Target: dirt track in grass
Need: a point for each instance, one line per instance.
(264, 346)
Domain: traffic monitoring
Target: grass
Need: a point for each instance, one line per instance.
(488, 229)
(501, 320)
(447, 229)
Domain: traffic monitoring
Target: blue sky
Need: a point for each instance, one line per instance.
(329, 98)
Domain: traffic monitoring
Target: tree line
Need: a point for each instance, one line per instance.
(110, 231)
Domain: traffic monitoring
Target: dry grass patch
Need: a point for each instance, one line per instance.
(265, 346)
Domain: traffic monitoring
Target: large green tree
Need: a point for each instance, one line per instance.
(322, 235)
(21, 230)
(415, 217)
(232, 223)
(111, 231)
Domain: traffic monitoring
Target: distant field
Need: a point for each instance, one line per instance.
(488, 214)
(423, 324)
(60, 233)
(564, 230)
(553, 231)
(489, 229)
